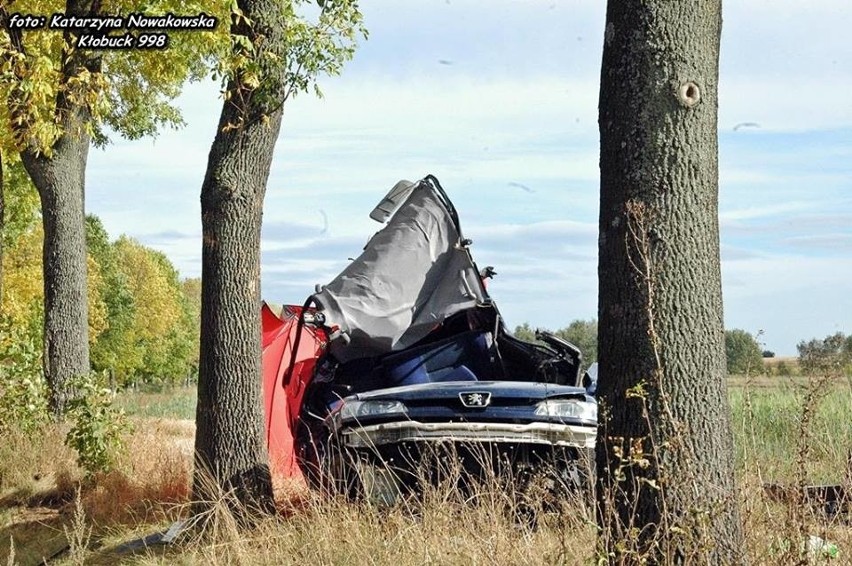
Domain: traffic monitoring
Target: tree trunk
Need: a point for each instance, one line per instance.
(665, 456)
(230, 451)
(60, 180)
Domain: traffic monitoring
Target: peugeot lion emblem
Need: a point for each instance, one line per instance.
(475, 399)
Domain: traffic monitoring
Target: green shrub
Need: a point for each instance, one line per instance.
(23, 392)
(783, 369)
(743, 353)
(98, 429)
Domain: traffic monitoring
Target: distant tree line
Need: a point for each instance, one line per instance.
(142, 320)
(744, 354)
(832, 354)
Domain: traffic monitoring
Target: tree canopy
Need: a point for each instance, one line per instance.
(151, 337)
(130, 95)
(143, 319)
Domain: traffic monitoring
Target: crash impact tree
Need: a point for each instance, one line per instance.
(665, 462)
(279, 47)
(57, 99)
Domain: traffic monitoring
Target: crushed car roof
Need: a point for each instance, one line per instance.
(413, 274)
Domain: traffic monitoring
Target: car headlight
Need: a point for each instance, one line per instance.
(366, 409)
(568, 408)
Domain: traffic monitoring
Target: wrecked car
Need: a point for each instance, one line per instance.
(404, 355)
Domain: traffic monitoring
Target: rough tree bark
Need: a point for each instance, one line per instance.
(60, 180)
(665, 458)
(59, 176)
(230, 452)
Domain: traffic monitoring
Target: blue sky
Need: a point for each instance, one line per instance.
(499, 101)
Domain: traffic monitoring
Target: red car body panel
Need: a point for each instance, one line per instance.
(282, 397)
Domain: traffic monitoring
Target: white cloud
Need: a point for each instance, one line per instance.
(841, 241)
(770, 210)
(781, 104)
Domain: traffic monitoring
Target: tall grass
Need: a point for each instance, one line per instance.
(176, 403)
(484, 526)
(443, 525)
(766, 423)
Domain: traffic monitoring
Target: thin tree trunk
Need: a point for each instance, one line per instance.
(665, 455)
(230, 451)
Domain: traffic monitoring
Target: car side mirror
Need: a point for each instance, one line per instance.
(590, 379)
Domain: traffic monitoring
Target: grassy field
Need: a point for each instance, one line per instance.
(769, 435)
(176, 403)
(786, 430)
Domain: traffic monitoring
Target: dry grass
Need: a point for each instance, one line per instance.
(788, 437)
(151, 477)
(775, 530)
(150, 490)
(47, 503)
(440, 529)
(37, 468)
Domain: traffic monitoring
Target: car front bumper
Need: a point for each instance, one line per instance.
(546, 434)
